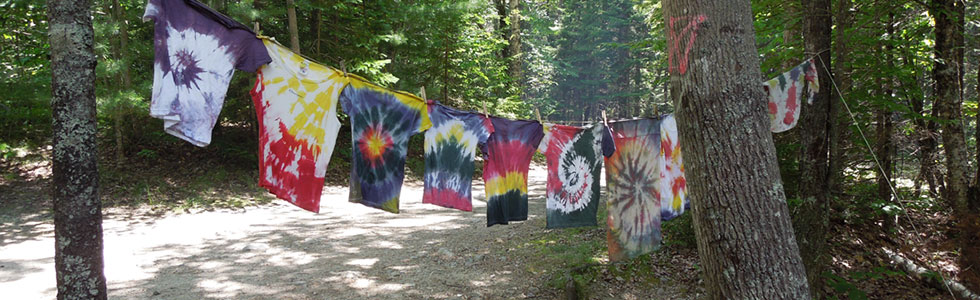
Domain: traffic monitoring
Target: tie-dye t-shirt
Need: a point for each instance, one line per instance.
(296, 103)
(450, 147)
(574, 157)
(633, 184)
(196, 51)
(381, 123)
(784, 95)
(673, 184)
(508, 154)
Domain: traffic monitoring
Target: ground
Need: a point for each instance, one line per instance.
(191, 225)
(255, 247)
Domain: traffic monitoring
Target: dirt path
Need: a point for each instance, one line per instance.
(347, 251)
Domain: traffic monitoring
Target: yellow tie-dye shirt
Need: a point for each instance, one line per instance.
(296, 103)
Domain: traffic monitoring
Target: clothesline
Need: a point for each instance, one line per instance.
(891, 186)
(296, 100)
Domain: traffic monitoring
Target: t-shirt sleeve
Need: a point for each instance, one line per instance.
(545, 137)
(608, 145)
(153, 10)
(254, 54)
(536, 136)
(487, 128)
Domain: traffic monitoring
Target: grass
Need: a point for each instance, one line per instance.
(580, 255)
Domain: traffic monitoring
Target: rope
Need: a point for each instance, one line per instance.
(878, 163)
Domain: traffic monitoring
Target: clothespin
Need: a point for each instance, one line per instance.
(343, 67)
(256, 27)
(604, 120)
(423, 94)
(485, 114)
(538, 113)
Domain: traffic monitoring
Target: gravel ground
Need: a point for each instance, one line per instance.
(348, 251)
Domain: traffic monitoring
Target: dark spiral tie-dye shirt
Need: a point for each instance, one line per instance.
(574, 163)
(196, 52)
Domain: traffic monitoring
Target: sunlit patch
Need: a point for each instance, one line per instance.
(365, 263)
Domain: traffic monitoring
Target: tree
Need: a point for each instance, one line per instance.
(948, 76)
(741, 220)
(120, 50)
(838, 122)
(514, 42)
(77, 207)
(884, 147)
(293, 31)
(811, 218)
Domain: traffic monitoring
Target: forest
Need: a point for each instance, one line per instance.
(874, 194)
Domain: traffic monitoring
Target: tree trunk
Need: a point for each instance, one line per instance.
(293, 30)
(515, 42)
(884, 128)
(121, 55)
(77, 207)
(975, 199)
(502, 25)
(120, 18)
(445, 70)
(741, 221)
(927, 149)
(839, 120)
(791, 33)
(811, 218)
(948, 73)
(317, 24)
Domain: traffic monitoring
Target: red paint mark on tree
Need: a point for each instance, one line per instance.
(689, 33)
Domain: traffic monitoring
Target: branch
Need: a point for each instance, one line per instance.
(928, 275)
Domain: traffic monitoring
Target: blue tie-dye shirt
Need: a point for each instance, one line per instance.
(381, 123)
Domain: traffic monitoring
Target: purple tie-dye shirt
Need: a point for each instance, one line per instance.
(196, 52)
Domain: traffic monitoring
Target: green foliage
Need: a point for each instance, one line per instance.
(846, 286)
(842, 285)
(586, 56)
(148, 154)
(25, 112)
(679, 232)
(6, 151)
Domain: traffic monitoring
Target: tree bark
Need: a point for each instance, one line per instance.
(811, 218)
(293, 30)
(839, 120)
(744, 235)
(975, 199)
(121, 55)
(884, 128)
(791, 33)
(514, 43)
(317, 25)
(948, 74)
(502, 16)
(77, 208)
